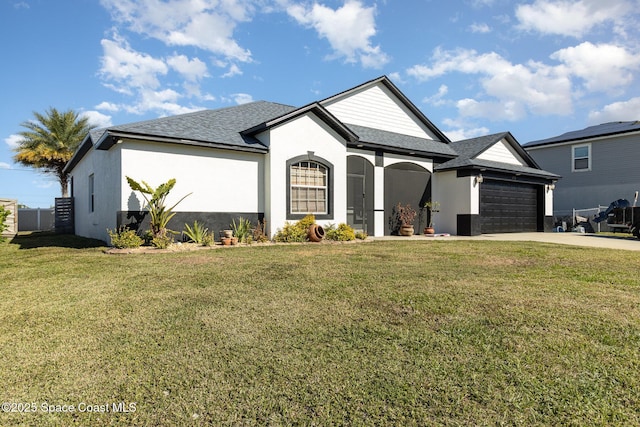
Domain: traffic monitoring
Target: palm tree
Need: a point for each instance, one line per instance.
(50, 141)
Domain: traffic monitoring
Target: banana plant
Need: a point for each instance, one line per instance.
(159, 213)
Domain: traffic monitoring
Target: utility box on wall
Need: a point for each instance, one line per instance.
(12, 220)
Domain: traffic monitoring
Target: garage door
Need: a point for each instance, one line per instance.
(508, 207)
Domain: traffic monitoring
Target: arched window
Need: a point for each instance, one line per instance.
(309, 187)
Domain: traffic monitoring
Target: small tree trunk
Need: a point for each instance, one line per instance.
(64, 185)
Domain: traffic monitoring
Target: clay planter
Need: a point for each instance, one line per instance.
(316, 233)
(226, 241)
(227, 233)
(429, 230)
(407, 230)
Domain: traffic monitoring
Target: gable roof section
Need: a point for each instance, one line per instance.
(314, 108)
(384, 80)
(598, 131)
(468, 151)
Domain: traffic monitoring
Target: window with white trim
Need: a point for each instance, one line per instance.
(581, 158)
(309, 188)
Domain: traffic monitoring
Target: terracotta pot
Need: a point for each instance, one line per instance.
(407, 230)
(429, 230)
(226, 241)
(234, 240)
(316, 233)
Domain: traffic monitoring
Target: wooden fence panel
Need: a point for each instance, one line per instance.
(12, 220)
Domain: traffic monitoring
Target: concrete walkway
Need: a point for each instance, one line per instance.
(623, 241)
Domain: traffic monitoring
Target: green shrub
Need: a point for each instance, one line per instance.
(291, 233)
(196, 233)
(162, 242)
(208, 239)
(123, 237)
(342, 233)
(242, 230)
(361, 235)
(306, 222)
(298, 232)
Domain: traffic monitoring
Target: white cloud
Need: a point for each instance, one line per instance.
(108, 106)
(242, 98)
(4, 165)
(234, 70)
(138, 74)
(98, 119)
(162, 101)
(480, 28)
(513, 89)
(437, 99)
(461, 130)
(617, 112)
(129, 68)
(572, 18)
(206, 24)
(192, 69)
(348, 29)
(13, 141)
(603, 67)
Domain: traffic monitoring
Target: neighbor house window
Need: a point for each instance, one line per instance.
(581, 158)
(309, 187)
(91, 194)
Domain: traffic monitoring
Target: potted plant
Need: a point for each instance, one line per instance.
(404, 216)
(432, 208)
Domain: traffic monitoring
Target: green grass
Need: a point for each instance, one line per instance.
(383, 333)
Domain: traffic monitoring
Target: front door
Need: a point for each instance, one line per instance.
(356, 213)
(360, 194)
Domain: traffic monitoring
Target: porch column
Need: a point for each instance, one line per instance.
(378, 204)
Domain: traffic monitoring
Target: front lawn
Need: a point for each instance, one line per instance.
(382, 333)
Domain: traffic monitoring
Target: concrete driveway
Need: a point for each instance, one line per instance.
(623, 241)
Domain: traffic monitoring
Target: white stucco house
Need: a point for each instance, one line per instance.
(348, 158)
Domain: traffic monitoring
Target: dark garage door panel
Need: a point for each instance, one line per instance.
(507, 207)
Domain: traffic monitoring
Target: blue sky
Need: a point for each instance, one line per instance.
(537, 68)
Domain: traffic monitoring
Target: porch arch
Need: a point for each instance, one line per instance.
(406, 183)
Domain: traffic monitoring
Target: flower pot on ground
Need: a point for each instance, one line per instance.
(432, 208)
(316, 233)
(402, 219)
(407, 230)
(226, 241)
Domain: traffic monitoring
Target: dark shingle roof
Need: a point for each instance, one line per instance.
(403, 142)
(223, 126)
(604, 129)
(469, 149)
